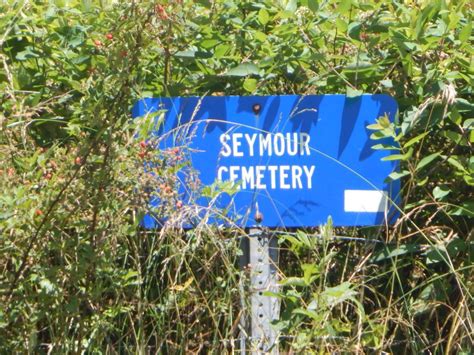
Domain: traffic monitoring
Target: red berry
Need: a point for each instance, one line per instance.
(160, 10)
(143, 144)
(48, 176)
(97, 43)
(78, 160)
(179, 204)
(109, 36)
(38, 212)
(142, 154)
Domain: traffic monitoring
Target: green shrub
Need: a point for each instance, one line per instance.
(79, 274)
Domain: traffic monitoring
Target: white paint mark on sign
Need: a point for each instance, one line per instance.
(365, 201)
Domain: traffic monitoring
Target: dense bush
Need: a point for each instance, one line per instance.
(77, 273)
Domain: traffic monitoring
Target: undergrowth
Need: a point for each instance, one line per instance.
(79, 274)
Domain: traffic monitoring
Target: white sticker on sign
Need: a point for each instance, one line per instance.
(365, 201)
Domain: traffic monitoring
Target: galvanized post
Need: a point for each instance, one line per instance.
(243, 322)
(263, 277)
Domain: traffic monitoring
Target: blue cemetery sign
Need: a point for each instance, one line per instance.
(297, 159)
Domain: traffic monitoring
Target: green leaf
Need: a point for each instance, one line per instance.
(341, 25)
(209, 43)
(193, 54)
(338, 294)
(385, 147)
(466, 209)
(453, 136)
(263, 16)
(465, 33)
(76, 41)
(273, 294)
(295, 243)
(307, 312)
(185, 54)
(131, 278)
(425, 16)
(410, 46)
(353, 30)
(387, 83)
(291, 6)
(47, 286)
(80, 59)
(426, 161)
(243, 69)
(398, 175)
(26, 54)
(130, 274)
(305, 239)
(405, 156)
(351, 92)
(440, 192)
(415, 139)
(441, 252)
(310, 272)
(453, 20)
(454, 161)
(389, 252)
(469, 179)
(374, 127)
(344, 6)
(221, 50)
(262, 37)
(313, 5)
(468, 124)
(250, 84)
(377, 135)
(293, 281)
(384, 121)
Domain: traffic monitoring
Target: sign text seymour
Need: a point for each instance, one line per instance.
(258, 144)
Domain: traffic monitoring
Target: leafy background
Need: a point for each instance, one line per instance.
(77, 273)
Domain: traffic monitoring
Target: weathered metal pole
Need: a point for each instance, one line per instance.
(263, 262)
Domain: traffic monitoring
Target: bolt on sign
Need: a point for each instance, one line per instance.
(295, 160)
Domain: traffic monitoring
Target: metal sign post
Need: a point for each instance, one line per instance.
(259, 260)
(263, 277)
